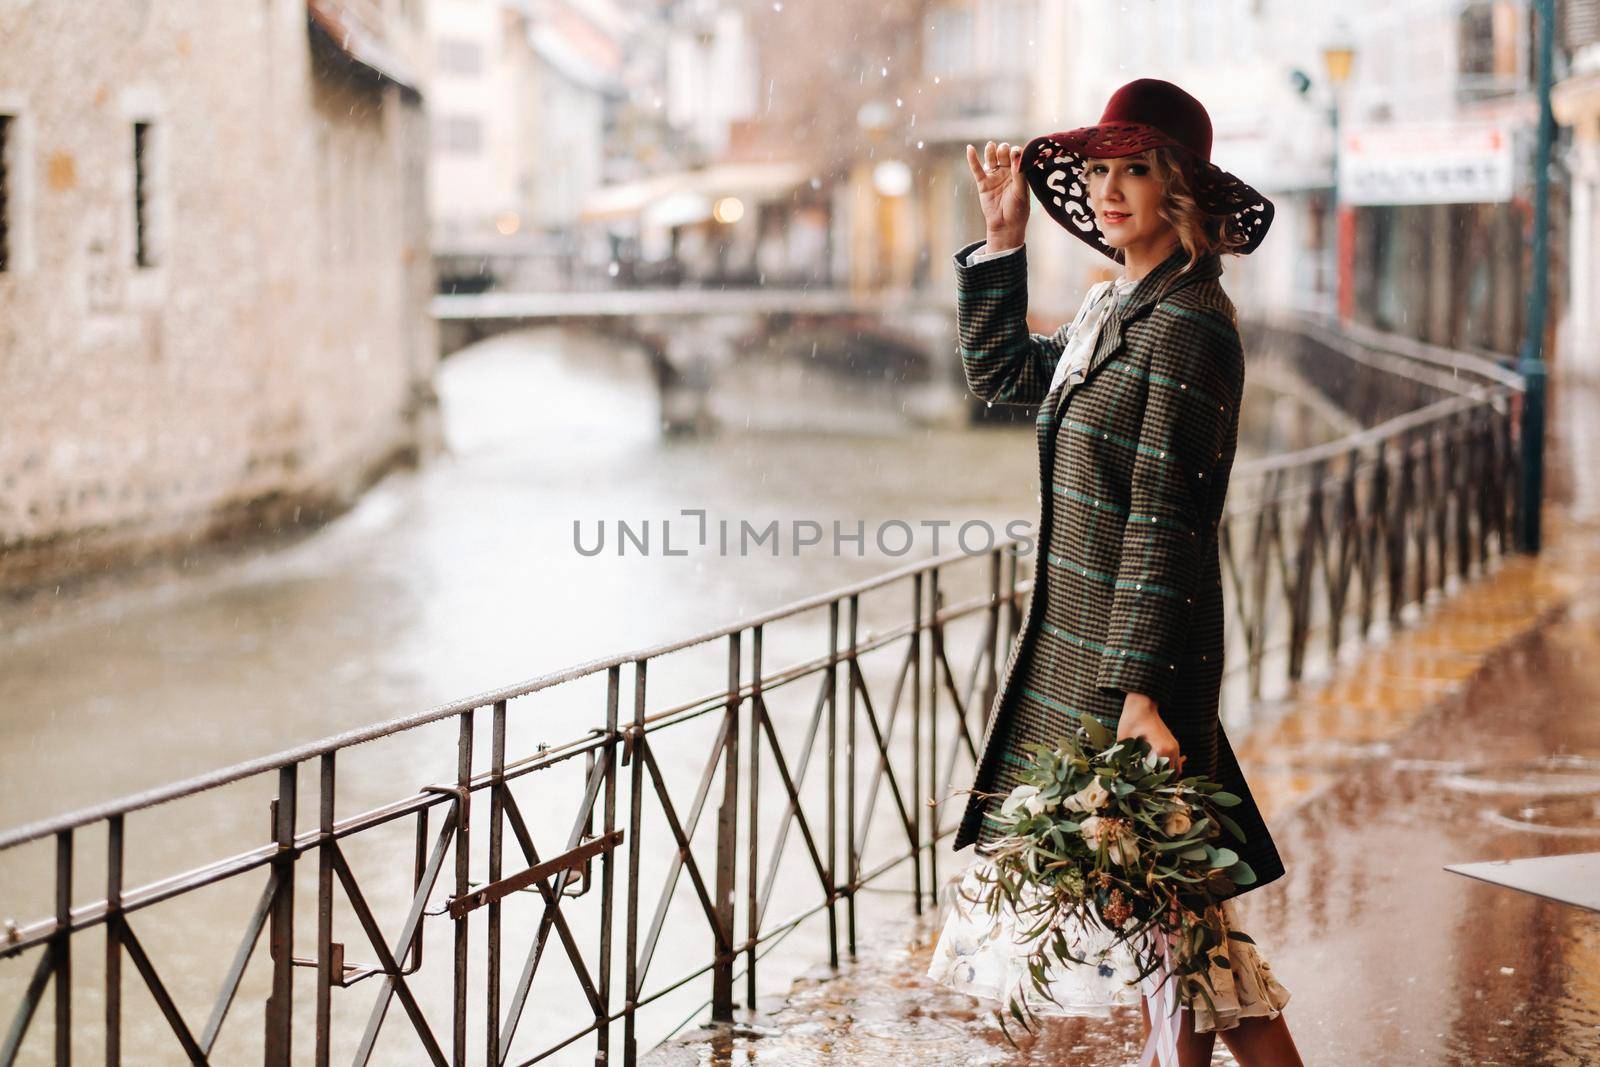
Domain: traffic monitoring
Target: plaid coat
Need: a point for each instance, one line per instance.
(1133, 463)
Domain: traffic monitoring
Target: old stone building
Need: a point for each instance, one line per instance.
(214, 276)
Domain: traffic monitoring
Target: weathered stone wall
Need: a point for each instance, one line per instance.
(277, 353)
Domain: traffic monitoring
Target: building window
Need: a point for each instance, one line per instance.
(1492, 38)
(143, 230)
(1477, 39)
(1580, 23)
(460, 56)
(1007, 34)
(948, 42)
(460, 134)
(5, 193)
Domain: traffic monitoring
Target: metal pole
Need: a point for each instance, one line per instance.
(1532, 365)
(1334, 238)
(727, 845)
(278, 1046)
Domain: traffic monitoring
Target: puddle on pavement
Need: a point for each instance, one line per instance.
(1560, 775)
(1564, 816)
(1557, 795)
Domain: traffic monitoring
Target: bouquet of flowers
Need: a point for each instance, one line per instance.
(1103, 835)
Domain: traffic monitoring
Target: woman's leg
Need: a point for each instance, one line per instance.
(1262, 1042)
(1194, 1050)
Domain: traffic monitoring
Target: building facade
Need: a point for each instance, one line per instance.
(1576, 102)
(519, 99)
(1447, 269)
(214, 280)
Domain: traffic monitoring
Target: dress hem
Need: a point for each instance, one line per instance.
(977, 954)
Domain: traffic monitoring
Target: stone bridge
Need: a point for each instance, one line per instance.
(690, 335)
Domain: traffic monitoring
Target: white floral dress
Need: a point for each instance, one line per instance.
(980, 954)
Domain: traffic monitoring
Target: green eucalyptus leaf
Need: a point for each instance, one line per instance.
(1100, 736)
(1229, 825)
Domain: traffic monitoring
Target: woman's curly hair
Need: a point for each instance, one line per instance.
(1200, 232)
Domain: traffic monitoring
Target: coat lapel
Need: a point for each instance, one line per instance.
(1163, 279)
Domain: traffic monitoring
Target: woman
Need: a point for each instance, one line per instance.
(1138, 402)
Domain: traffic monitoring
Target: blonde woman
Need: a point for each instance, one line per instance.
(1138, 416)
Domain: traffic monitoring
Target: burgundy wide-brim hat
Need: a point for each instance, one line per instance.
(1147, 113)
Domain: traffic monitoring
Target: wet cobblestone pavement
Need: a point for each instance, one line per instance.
(1474, 735)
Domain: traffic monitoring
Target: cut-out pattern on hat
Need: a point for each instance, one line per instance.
(1054, 166)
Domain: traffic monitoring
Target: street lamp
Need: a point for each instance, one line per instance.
(1338, 56)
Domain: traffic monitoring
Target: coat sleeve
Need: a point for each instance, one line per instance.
(1195, 383)
(1004, 363)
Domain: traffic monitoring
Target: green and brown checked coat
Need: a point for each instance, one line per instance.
(1134, 463)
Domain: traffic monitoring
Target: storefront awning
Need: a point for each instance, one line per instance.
(687, 196)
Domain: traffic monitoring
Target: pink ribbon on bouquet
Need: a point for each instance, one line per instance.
(1165, 1021)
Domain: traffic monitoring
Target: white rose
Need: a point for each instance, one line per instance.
(1177, 823)
(1091, 797)
(1123, 850)
(1090, 830)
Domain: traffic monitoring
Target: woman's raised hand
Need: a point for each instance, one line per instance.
(1002, 192)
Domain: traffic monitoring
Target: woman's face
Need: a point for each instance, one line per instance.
(1124, 195)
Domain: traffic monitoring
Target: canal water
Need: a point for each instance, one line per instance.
(443, 582)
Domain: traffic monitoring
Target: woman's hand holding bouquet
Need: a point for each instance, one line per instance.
(1103, 834)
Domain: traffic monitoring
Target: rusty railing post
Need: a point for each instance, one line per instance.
(280, 1003)
(727, 842)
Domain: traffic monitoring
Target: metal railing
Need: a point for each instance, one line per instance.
(847, 788)
(1317, 541)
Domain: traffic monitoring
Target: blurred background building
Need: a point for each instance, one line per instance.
(520, 100)
(1576, 101)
